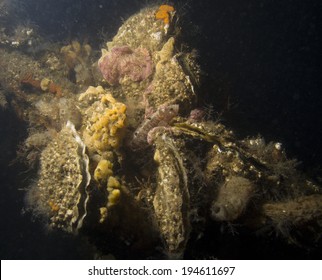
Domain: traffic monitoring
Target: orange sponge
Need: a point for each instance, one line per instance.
(163, 13)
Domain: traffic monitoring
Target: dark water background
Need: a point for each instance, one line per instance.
(262, 61)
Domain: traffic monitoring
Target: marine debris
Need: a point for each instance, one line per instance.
(128, 161)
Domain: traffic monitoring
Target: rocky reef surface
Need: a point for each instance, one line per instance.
(125, 158)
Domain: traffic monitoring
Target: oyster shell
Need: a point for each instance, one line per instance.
(172, 200)
(61, 193)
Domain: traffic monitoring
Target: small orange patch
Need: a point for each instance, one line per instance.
(55, 89)
(54, 207)
(29, 80)
(163, 13)
(166, 8)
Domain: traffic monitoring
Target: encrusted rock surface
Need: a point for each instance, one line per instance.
(142, 170)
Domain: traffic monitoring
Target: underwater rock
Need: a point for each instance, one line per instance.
(21, 67)
(22, 36)
(142, 29)
(297, 213)
(201, 174)
(34, 144)
(58, 112)
(170, 84)
(143, 65)
(298, 221)
(60, 195)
